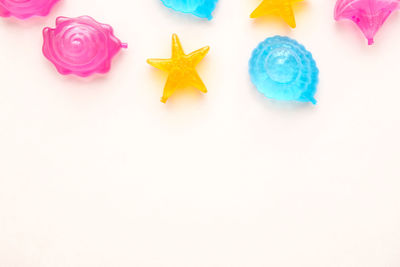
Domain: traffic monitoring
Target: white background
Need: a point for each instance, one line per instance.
(98, 172)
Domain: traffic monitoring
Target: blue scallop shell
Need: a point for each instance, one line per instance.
(283, 69)
(199, 8)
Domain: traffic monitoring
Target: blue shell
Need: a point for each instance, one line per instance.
(199, 8)
(283, 69)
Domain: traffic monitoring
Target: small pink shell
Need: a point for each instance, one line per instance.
(80, 46)
(369, 15)
(24, 9)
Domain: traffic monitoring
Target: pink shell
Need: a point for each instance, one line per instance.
(369, 15)
(80, 46)
(24, 9)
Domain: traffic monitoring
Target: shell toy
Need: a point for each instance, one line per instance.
(81, 46)
(23, 9)
(199, 8)
(283, 69)
(369, 15)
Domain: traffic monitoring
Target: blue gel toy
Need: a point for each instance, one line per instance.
(199, 8)
(283, 69)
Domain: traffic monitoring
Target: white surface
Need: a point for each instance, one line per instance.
(99, 173)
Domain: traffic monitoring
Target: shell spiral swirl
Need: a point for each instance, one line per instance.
(199, 8)
(80, 46)
(283, 69)
(24, 9)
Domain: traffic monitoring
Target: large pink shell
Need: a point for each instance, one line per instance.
(24, 9)
(369, 15)
(80, 46)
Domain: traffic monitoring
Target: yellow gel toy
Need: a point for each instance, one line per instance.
(281, 8)
(181, 68)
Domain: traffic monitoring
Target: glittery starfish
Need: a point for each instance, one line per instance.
(181, 68)
(282, 8)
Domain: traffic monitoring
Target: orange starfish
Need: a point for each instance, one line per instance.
(181, 68)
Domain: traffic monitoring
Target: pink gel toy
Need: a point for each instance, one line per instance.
(81, 46)
(369, 15)
(24, 9)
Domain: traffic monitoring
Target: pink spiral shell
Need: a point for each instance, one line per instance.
(80, 46)
(24, 9)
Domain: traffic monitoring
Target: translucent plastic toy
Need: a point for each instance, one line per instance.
(283, 69)
(369, 15)
(181, 68)
(24, 9)
(281, 8)
(199, 8)
(80, 46)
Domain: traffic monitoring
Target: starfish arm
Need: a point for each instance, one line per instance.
(261, 10)
(177, 50)
(170, 87)
(195, 81)
(162, 64)
(283, 9)
(196, 56)
(288, 15)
